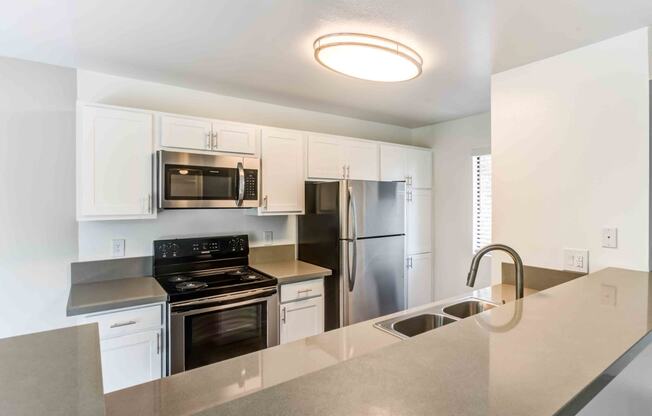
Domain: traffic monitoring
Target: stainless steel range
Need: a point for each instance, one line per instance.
(219, 308)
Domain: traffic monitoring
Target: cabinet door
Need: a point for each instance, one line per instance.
(361, 159)
(419, 168)
(114, 163)
(419, 221)
(419, 279)
(131, 359)
(301, 319)
(324, 157)
(392, 163)
(186, 133)
(282, 171)
(234, 138)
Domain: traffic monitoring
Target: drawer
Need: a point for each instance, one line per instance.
(301, 290)
(117, 323)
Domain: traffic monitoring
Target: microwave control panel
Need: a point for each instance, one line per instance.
(251, 184)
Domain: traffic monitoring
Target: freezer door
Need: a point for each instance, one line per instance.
(380, 207)
(379, 284)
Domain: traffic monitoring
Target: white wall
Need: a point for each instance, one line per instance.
(453, 144)
(570, 148)
(109, 89)
(95, 237)
(37, 209)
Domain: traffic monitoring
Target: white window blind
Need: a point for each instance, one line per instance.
(481, 201)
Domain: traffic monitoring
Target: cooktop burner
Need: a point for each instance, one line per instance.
(191, 285)
(179, 278)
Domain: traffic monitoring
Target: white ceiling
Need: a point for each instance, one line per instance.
(262, 49)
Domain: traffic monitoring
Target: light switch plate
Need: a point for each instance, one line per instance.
(118, 247)
(576, 260)
(610, 237)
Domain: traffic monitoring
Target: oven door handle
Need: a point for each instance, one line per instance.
(241, 183)
(258, 293)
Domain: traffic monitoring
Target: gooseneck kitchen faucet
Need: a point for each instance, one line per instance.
(518, 265)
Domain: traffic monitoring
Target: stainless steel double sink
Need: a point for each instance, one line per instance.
(418, 322)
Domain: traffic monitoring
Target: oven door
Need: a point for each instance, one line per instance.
(207, 331)
(188, 180)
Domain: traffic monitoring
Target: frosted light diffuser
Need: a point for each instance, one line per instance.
(367, 57)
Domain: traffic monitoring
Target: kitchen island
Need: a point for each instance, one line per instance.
(529, 357)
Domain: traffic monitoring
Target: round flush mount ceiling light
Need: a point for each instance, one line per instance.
(368, 57)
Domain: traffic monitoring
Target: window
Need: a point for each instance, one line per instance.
(481, 201)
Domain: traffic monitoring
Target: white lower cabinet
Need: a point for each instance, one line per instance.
(419, 279)
(131, 359)
(132, 345)
(302, 310)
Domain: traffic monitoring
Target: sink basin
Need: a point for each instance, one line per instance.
(419, 324)
(468, 308)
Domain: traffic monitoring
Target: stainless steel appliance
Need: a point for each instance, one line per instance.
(190, 180)
(219, 308)
(356, 229)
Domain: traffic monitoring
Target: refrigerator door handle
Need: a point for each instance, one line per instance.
(353, 240)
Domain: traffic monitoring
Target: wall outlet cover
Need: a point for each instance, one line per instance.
(610, 237)
(576, 260)
(118, 247)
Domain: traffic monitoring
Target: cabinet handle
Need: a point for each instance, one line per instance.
(408, 180)
(348, 171)
(214, 141)
(265, 202)
(409, 262)
(343, 171)
(158, 344)
(284, 317)
(209, 140)
(119, 324)
(303, 291)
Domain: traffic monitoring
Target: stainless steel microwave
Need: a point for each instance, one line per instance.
(191, 180)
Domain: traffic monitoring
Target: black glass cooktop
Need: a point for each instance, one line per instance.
(205, 283)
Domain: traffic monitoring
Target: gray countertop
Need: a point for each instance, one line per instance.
(113, 294)
(52, 373)
(290, 271)
(529, 357)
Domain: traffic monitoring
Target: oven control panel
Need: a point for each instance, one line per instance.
(217, 247)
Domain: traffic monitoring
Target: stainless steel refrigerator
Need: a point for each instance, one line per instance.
(356, 229)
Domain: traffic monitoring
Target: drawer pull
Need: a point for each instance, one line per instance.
(303, 291)
(119, 324)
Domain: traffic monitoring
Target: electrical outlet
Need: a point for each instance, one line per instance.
(576, 260)
(118, 247)
(610, 237)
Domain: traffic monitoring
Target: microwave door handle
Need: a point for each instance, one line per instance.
(241, 183)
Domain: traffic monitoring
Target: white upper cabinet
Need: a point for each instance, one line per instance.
(361, 159)
(114, 164)
(282, 171)
(331, 157)
(186, 133)
(419, 221)
(393, 163)
(324, 157)
(208, 135)
(399, 163)
(234, 138)
(419, 168)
